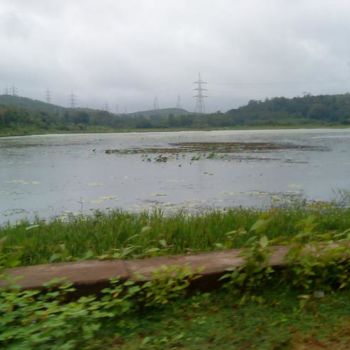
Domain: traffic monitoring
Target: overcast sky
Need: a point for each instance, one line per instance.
(126, 52)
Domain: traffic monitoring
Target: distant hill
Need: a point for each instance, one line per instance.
(29, 104)
(282, 110)
(162, 112)
(40, 106)
(20, 115)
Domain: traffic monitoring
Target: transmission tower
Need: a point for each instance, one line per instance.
(72, 100)
(117, 109)
(6, 91)
(106, 109)
(200, 106)
(48, 96)
(14, 90)
(178, 102)
(155, 104)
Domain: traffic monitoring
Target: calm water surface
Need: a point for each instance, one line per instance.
(53, 175)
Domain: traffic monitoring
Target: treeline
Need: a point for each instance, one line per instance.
(12, 117)
(307, 110)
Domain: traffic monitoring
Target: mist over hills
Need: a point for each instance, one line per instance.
(40, 106)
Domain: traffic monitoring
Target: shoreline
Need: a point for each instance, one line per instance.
(125, 131)
(126, 235)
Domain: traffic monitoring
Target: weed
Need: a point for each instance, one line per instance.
(124, 235)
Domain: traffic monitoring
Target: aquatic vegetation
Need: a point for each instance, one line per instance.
(215, 147)
(159, 194)
(211, 150)
(196, 157)
(161, 159)
(23, 182)
(102, 199)
(95, 184)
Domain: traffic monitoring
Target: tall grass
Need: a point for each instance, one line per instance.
(120, 234)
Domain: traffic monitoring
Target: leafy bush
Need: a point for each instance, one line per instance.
(49, 320)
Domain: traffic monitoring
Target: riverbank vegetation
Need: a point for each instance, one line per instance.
(23, 116)
(118, 234)
(215, 320)
(302, 306)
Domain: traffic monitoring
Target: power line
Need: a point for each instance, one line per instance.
(200, 106)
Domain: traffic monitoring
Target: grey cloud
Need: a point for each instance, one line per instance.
(126, 52)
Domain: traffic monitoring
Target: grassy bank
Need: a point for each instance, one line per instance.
(257, 308)
(303, 306)
(128, 235)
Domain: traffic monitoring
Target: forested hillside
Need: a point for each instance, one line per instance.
(24, 116)
(28, 103)
(324, 108)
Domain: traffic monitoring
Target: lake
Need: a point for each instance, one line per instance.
(57, 175)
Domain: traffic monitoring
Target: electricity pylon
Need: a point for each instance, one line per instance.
(178, 102)
(72, 100)
(48, 96)
(200, 106)
(155, 104)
